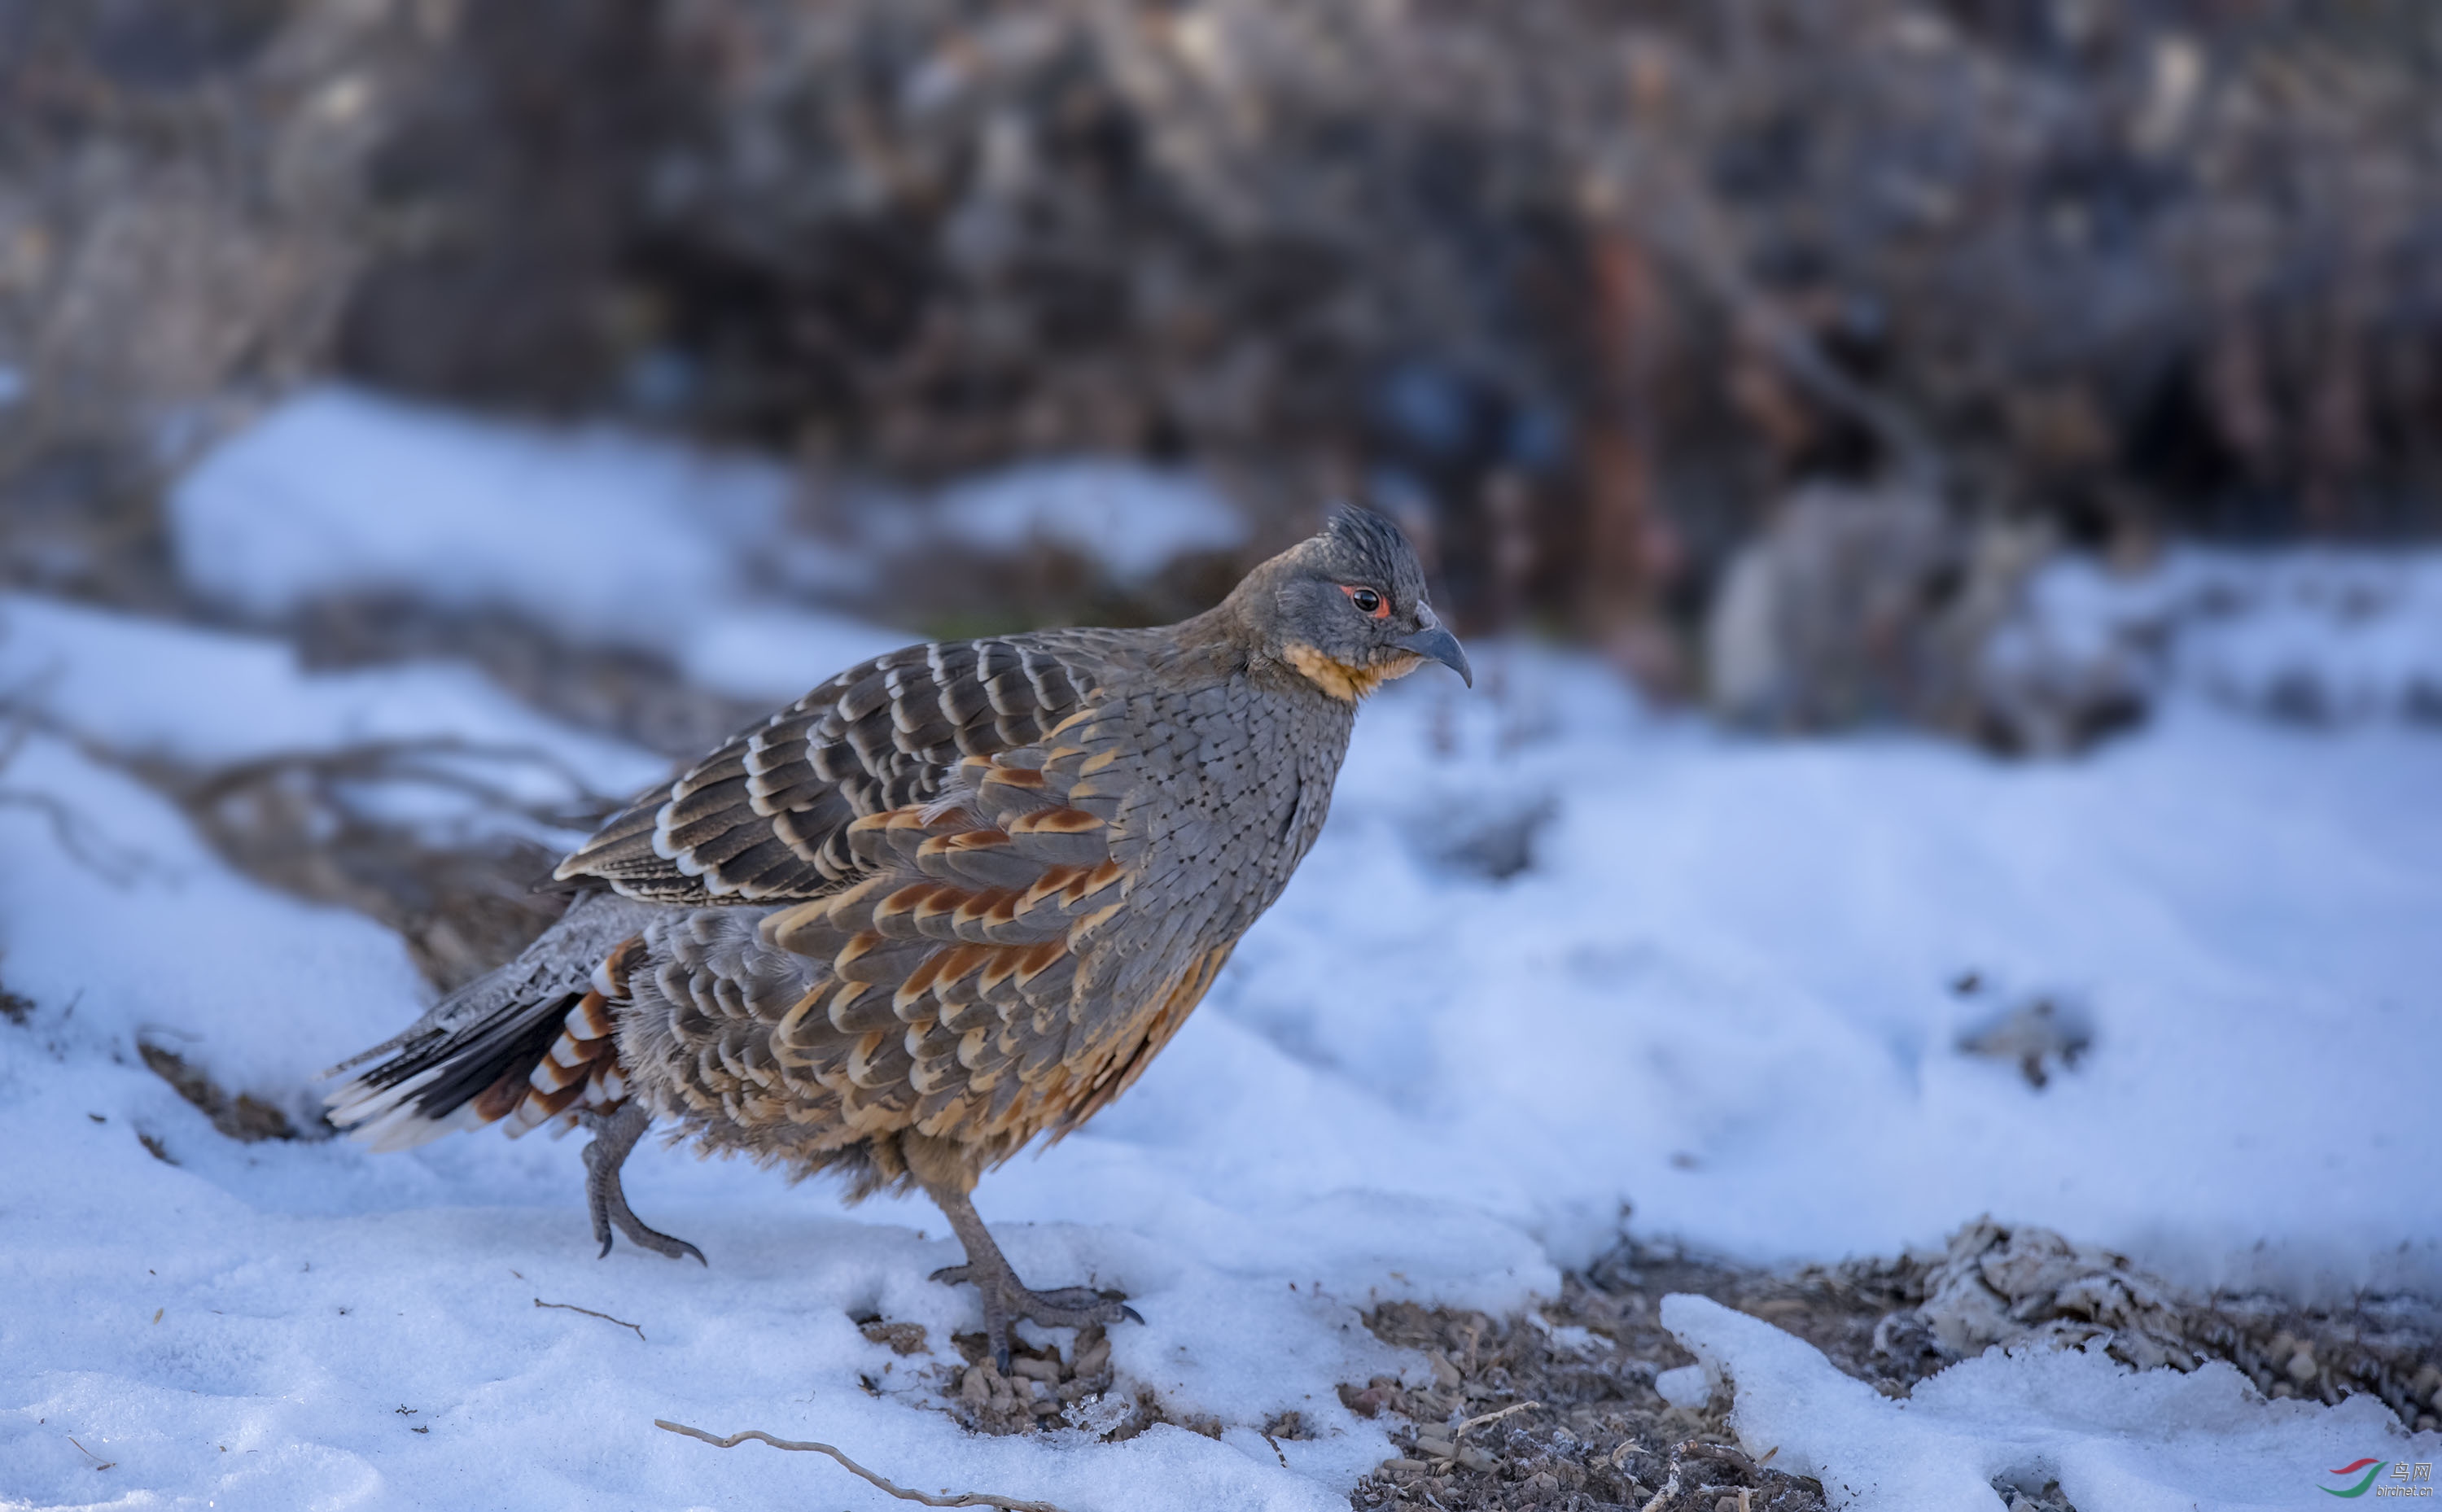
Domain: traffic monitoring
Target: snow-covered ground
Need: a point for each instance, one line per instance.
(2316, 637)
(2152, 1441)
(1555, 954)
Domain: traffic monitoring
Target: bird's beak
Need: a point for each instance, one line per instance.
(1436, 643)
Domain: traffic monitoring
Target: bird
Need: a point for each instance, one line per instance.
(952, 901)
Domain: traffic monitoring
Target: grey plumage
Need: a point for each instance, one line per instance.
(954, 898)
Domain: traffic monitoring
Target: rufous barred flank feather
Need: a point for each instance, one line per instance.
(954, 898)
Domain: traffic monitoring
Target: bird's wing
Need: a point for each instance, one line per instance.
(766, 816)
(998, 971)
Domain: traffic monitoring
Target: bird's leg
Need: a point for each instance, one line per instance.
(1006, 1298)
(615, 1135)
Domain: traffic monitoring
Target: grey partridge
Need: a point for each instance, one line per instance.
(954, 898)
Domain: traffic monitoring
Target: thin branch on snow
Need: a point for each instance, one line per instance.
(80, 838)
(421, 758)
(74, 832)
(99, 1462)
(964, 1498)
(570, 1307)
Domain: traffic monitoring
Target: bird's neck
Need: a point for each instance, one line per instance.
(1235, 638)
(1341, 679)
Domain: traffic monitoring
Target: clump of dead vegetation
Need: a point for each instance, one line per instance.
(1555, 1410)
(2020, 1286)
(1583, 1428)
(331, 825)
(241, 1116)
(1044, 1390)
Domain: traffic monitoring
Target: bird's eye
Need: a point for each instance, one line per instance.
(1369, 603)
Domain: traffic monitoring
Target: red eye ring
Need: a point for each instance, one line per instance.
(1369, 603)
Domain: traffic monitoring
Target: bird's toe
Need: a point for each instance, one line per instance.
(1070, 1306)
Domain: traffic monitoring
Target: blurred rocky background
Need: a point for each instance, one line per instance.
(1776, 347)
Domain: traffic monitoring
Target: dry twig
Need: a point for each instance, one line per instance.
(428, 760)
(591, 1312)
(99, 1462)
(964, 1498)
(81, 838)
(1481, 1419)
(1669, 1485)
(70, 830)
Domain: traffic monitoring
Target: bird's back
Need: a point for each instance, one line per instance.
(765, 815)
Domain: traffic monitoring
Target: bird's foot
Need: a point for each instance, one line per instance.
(1007, 1299)
(615, 1135)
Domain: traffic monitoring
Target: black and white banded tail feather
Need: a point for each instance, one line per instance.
(527, 1042)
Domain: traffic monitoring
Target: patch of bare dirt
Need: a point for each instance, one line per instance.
(243, 1116)
(1555, 1410)
(15, 1007)
(1042, 1391)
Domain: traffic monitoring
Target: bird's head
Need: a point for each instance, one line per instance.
(1347, 607)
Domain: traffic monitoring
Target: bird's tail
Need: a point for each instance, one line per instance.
(527, 1042)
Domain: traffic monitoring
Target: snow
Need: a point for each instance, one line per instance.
(1132, 518)
(603, 537)
(1554, 953)
(2155, 1440)
(2325, 635)
(338, 489)
(1686, 1386)
(606, 537)
(211, 942)
(1724, 988)
(207, 697)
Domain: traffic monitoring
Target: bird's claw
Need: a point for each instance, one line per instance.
(642, 1237)
(1005, 1299)
(613, 1137)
